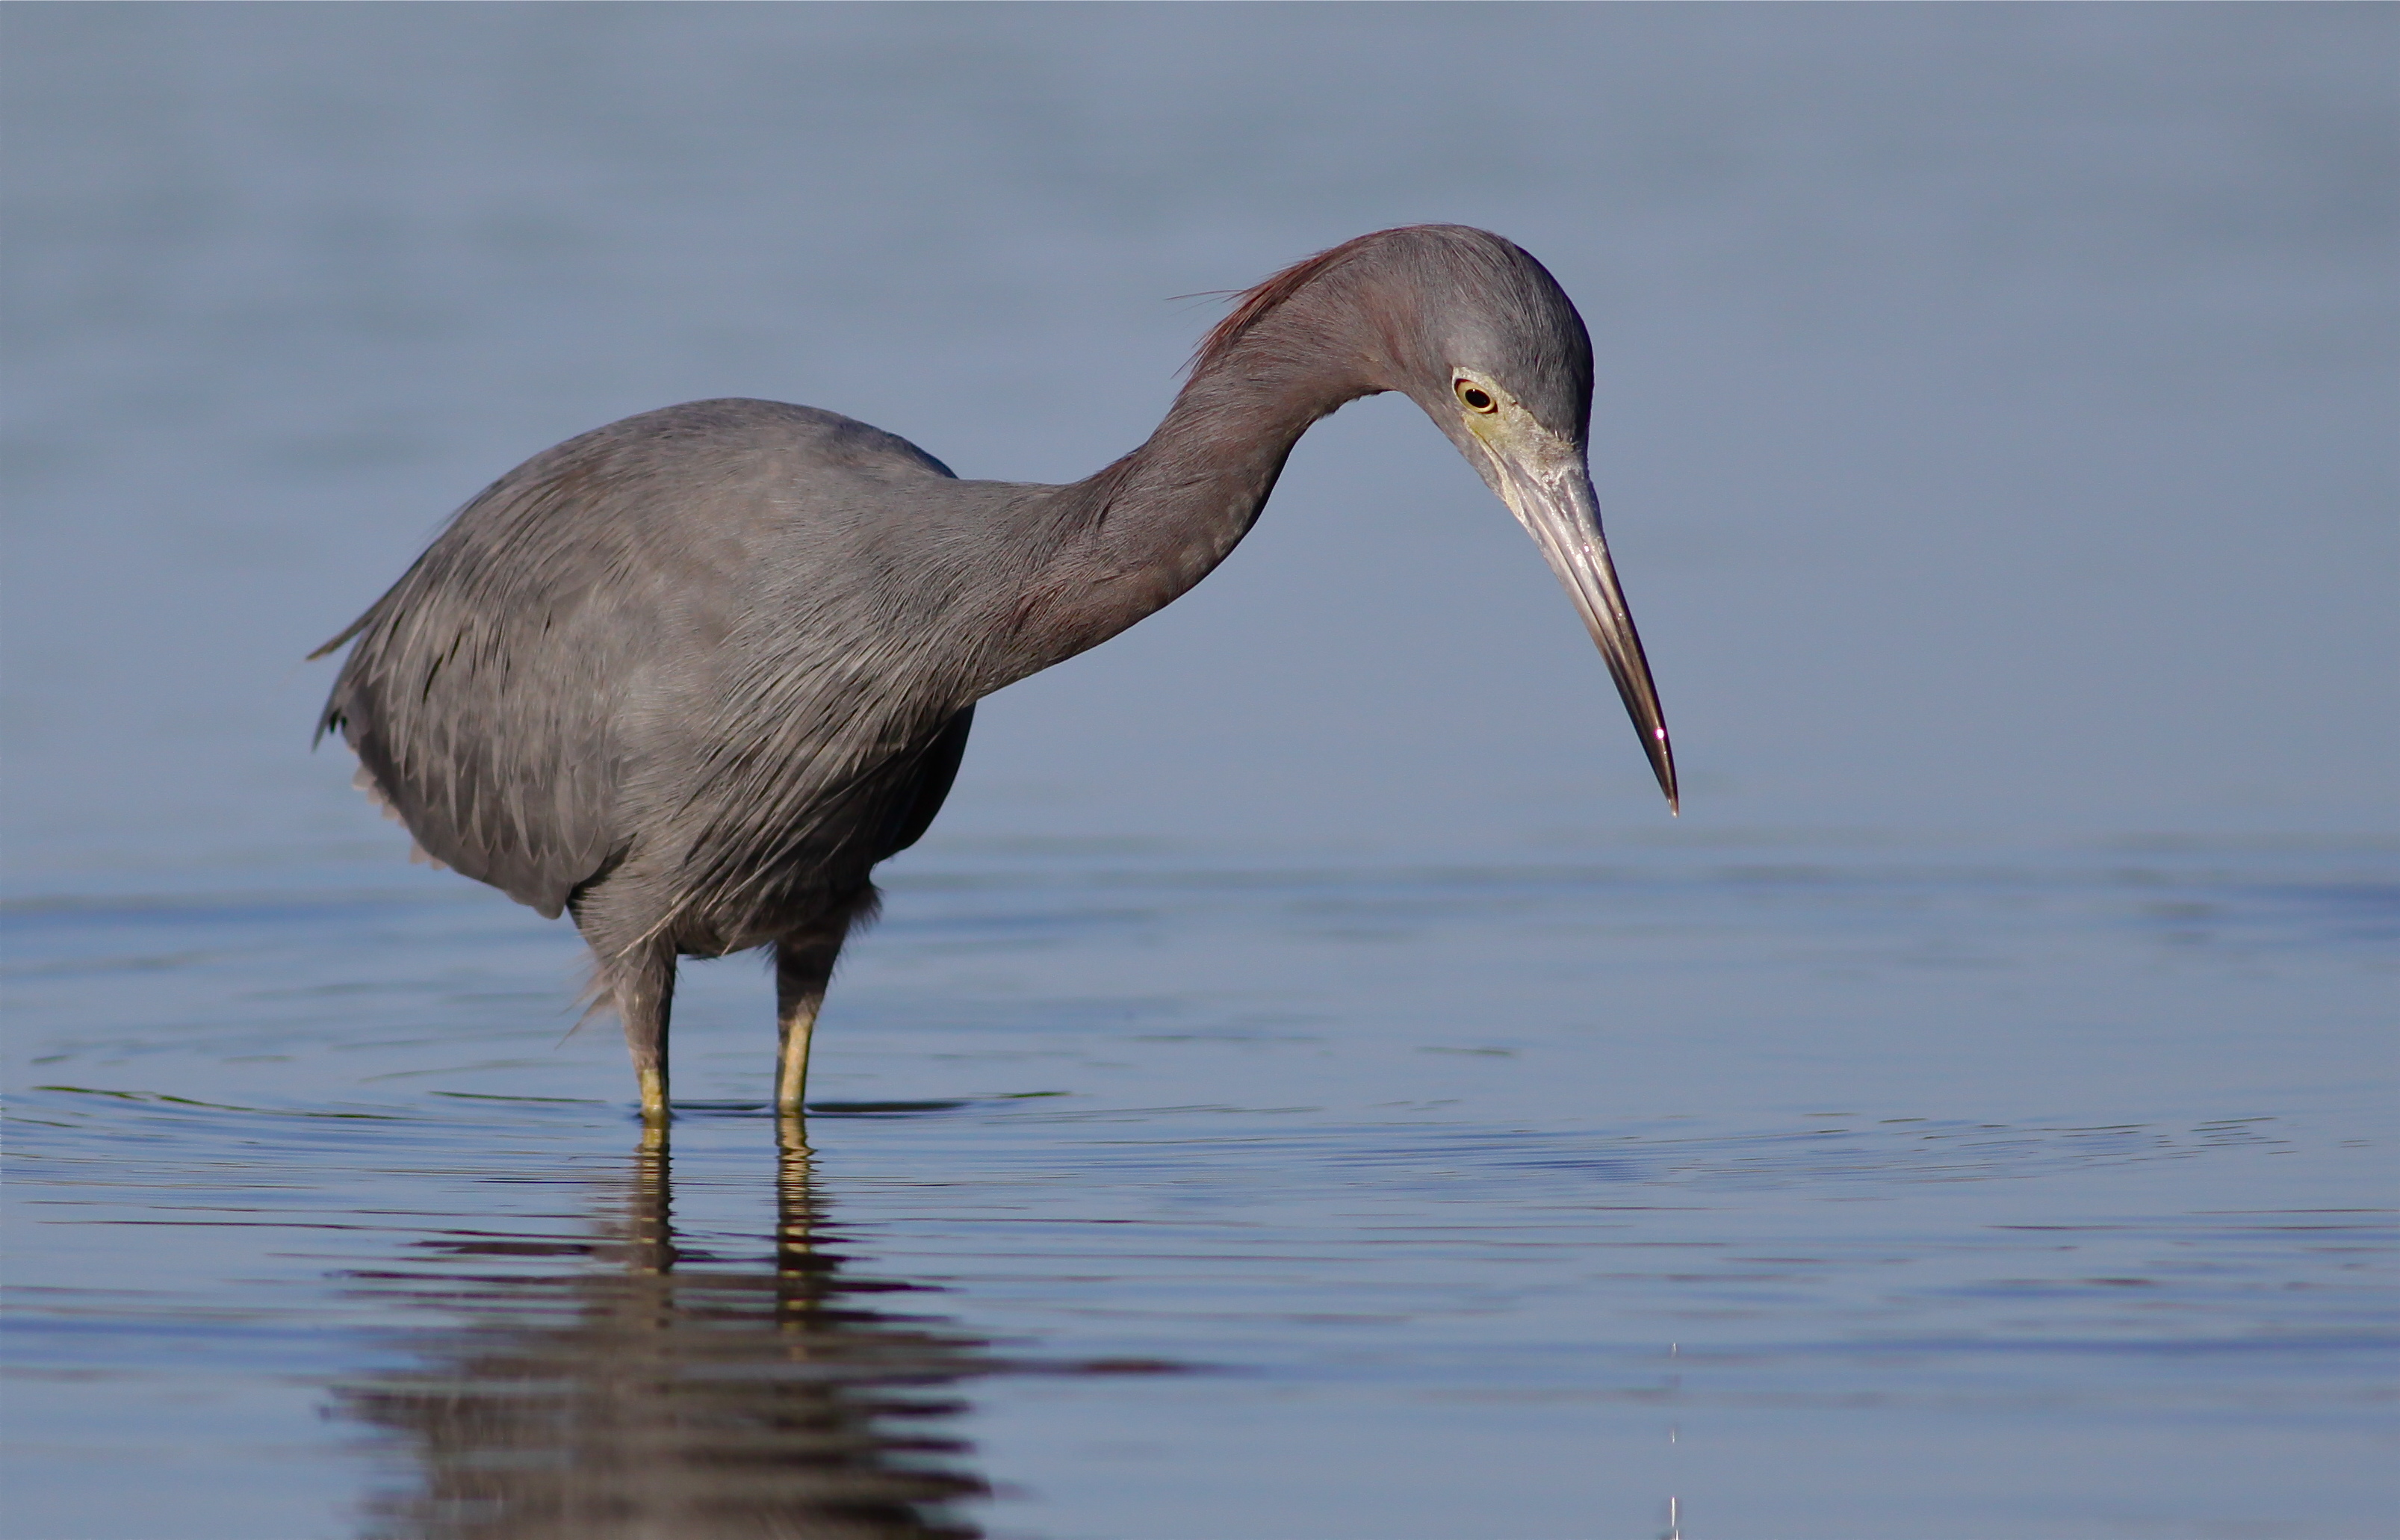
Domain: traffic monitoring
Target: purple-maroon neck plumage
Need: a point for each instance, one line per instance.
(1394, 310)
(1143, 530)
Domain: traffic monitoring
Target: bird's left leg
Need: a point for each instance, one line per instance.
(643, 985)
(803, 968)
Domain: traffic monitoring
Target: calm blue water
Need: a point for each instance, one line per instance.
(1825, 1191)
(1305, 1088)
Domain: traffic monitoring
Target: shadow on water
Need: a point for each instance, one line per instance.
(640, 1394)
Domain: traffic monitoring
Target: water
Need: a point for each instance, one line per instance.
(1825, 1191)
(1304, 1088)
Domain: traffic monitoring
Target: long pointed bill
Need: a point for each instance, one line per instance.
(1553, 500)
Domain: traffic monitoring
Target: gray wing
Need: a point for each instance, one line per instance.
(497, 695)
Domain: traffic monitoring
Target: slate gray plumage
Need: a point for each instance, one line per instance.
(692, 676)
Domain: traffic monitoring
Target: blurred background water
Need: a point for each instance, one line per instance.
(1304, 1086)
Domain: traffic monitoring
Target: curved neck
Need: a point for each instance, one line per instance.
(1141, 531)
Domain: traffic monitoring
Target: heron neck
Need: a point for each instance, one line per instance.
(1142, 531)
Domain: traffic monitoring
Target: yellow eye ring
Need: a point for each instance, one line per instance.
(1474, 397)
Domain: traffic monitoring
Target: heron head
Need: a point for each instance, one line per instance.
(1492, 349)
(1481, 337)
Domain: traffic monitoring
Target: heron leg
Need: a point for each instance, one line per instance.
(644, 988)
(803, 968)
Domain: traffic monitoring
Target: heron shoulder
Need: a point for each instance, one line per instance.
(742, 426)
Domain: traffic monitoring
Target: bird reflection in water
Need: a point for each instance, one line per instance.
(649, 1397)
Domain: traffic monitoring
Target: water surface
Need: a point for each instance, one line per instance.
(1822, 1191)
(1305, 1088)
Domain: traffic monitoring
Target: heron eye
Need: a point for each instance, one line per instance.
(1476, 397)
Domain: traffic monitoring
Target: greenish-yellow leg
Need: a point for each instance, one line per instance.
(645, 990)
(800, 992)
(802, 970)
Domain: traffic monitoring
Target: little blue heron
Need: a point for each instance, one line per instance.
(692, 676)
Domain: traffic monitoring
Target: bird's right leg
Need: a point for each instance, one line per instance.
(643, 985)
(803, 968)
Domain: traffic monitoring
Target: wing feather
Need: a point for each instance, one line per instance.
(544, 684)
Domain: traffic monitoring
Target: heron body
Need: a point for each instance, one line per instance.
(692, 676)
